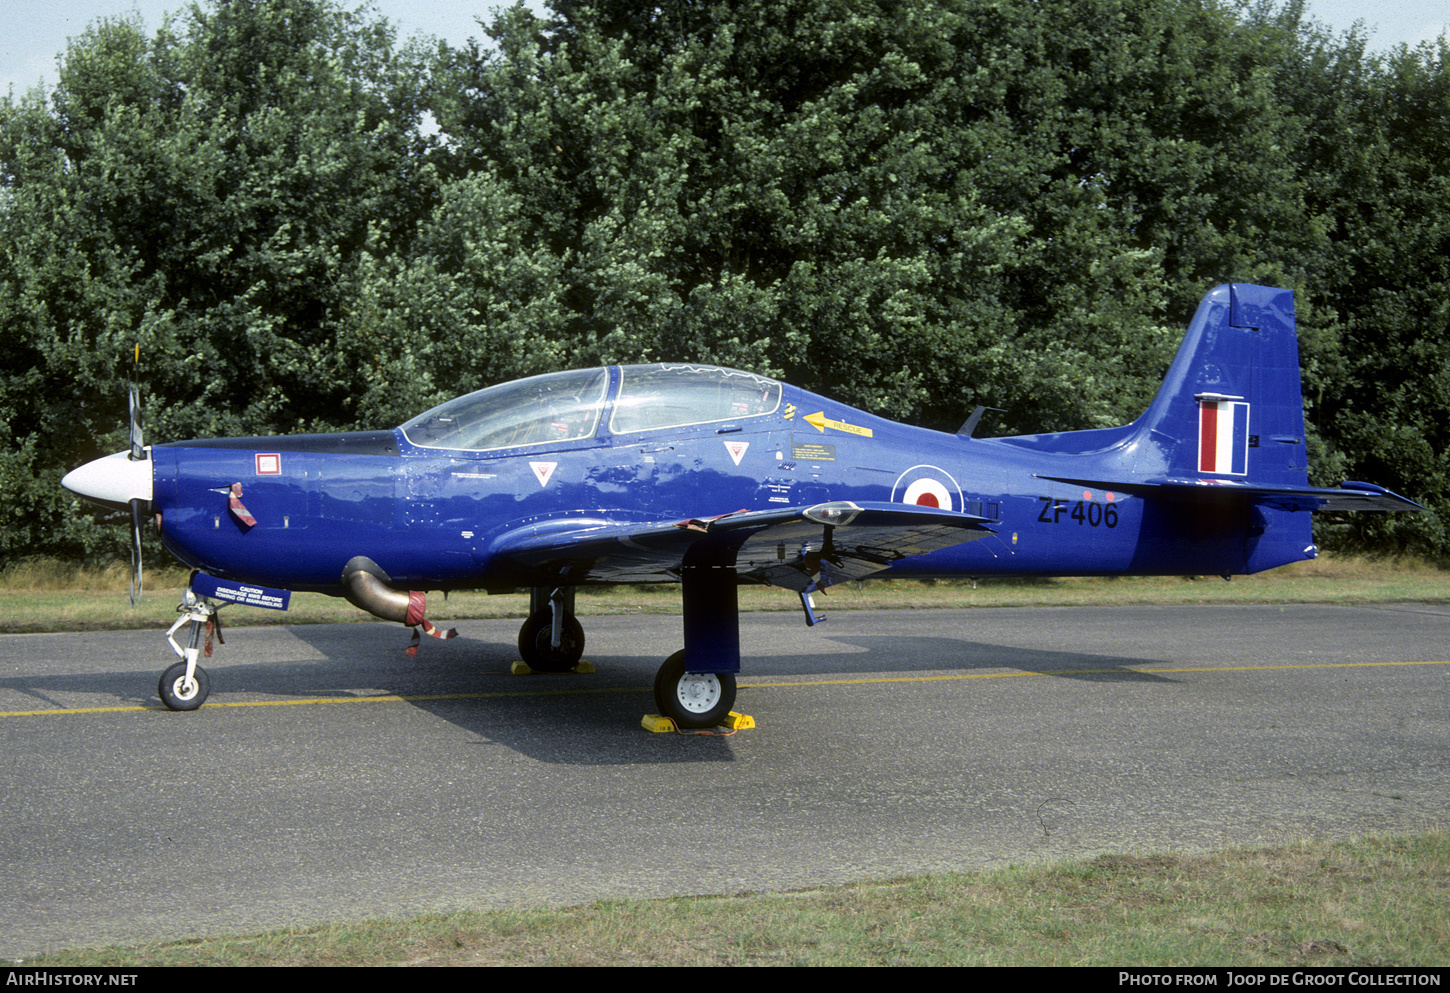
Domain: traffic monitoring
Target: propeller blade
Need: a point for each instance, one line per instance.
(137, 509)
(138, 446)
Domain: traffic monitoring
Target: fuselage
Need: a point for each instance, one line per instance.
(430, 515)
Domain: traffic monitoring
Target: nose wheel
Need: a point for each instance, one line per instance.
(693, 699)
(182, 692)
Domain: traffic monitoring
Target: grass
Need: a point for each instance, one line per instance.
(1373, 901)
(47, 595)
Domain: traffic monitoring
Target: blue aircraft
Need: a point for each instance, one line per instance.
(713, 478)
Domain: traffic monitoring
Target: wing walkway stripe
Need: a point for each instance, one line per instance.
(423, 698)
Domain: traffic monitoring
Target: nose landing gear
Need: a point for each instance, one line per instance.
(185, 686)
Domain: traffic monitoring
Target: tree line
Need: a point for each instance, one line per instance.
(914, 206)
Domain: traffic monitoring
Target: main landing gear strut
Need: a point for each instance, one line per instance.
(695, 687)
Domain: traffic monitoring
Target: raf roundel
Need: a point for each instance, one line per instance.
(927, 493)
(928, 486)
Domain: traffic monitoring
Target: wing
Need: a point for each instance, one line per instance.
(798, 548)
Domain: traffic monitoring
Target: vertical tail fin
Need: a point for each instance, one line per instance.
(1231, 411)
(1231, 407)
(1220, 457)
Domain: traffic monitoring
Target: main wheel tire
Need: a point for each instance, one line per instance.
(536, 648)
(693, 699)
(176, 695)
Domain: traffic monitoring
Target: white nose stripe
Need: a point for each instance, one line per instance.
(113, 479)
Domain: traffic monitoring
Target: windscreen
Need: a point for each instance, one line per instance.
(557, 407)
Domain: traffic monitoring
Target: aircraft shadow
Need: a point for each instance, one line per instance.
(564, 718)
(60, 691)
(595, 719)
(567, 719)
(928, 653)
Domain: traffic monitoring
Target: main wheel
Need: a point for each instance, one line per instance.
(536, 648)
(179, 696)
(693, 699)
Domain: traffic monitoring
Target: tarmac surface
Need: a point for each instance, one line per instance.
(331, 777)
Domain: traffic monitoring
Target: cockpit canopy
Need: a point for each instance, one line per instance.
(567, 406)
(668, 396)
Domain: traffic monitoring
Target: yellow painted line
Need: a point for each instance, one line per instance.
(393, 698)
(388, 698)
(74, 710)
(1080, 672)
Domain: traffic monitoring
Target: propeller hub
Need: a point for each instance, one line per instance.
(115, 480)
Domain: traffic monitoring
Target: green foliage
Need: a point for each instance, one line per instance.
(209, 194)
(913, 206)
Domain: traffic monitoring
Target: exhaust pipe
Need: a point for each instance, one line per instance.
(369, 588)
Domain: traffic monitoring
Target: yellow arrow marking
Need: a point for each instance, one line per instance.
(820, 422)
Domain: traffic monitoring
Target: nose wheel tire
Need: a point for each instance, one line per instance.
(536, 648)
(177, 693)
(693, 699)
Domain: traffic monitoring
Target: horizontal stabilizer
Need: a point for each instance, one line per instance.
(1348, 496)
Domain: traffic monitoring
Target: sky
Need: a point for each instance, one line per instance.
(39, 28)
